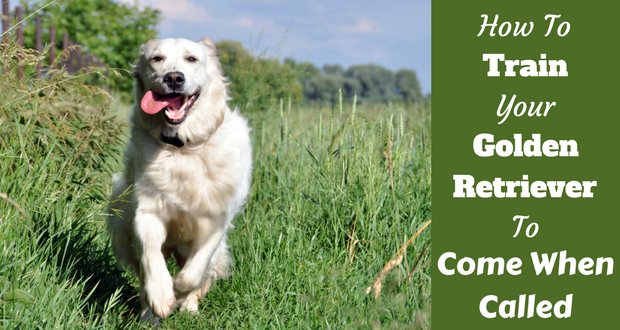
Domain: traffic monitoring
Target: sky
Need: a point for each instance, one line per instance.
(392, 33)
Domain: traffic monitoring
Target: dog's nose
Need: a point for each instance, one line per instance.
(174, 80)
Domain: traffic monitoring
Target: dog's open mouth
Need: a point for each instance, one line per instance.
(175, 105)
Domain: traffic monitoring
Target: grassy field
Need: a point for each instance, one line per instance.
(332, 202)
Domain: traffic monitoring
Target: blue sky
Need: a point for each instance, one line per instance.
(392, 33)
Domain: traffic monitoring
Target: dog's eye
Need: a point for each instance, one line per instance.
(156, 59)
(191, 59)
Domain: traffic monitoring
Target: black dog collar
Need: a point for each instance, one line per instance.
(174, 140)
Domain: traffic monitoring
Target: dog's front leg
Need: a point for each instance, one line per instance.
(210, 232)
(154, 276)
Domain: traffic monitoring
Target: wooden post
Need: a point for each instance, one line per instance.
(67, 55)
(38, 45)
(65, 45)
(71, 64)
(78, 58)
(20, 37)
(5, 21)
(20, 31)
(53, 43)
(87, 60)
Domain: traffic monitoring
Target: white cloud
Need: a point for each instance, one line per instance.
(362, 25)
(244, 21)
(181, 10)
(348, 23)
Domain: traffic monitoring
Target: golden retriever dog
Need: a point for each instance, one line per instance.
(187, 173)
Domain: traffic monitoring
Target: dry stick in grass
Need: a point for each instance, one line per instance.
(351, 244)
(388, 156)
(19, 208)
(351, 235)
(413, 269)
(376, 285)
(354, 247)
(410, 240)
(395, 261)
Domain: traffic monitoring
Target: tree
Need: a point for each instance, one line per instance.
(333, 69)
(258, 82)
(324, 88)
(408, 85)
(370, 82)
(378, 84)
(110, 30)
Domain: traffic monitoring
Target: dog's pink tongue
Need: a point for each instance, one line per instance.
(153, 103)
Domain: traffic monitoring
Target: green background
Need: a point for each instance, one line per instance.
(465, 102)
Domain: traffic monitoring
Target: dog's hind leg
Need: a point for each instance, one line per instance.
(218, 268)
(209, 234)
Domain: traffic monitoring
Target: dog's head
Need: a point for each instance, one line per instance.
(180, 89)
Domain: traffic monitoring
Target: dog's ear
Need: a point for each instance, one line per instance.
(143, 47)
(208, 42)
(137, 65)
(211, 52)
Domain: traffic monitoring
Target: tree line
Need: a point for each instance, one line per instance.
(258, 81)
(266, 79)
(371, 83)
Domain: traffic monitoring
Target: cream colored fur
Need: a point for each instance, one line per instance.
(180, 201)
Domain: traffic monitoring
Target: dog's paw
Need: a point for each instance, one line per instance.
(190, 304)
(162, 304)
(184, 282)
(160, 298)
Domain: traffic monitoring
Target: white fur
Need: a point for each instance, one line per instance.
(183, 199)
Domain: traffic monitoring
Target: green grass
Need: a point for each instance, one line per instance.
(318, 174)
(56, 144)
